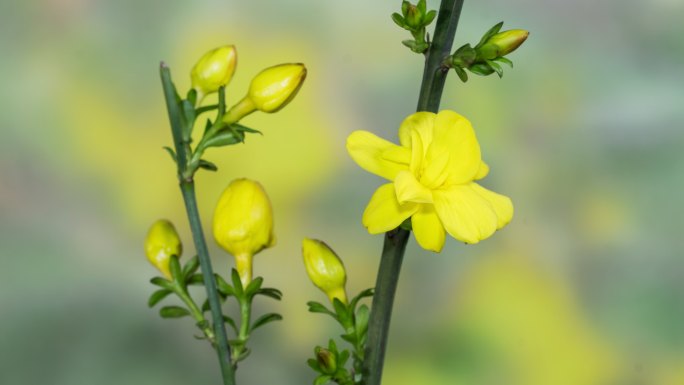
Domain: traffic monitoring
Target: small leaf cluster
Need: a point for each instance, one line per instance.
(415, 18)
(354, 320)
(244, 297)
(187, 275)
(216, 133)
(484, 59)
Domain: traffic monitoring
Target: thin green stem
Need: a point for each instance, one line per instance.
(197, 314)
(434, 76)
(188, 190)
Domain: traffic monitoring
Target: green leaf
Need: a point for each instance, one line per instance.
(496, 67)
(206, 306)
(271, 292)
(242, 129)
(342, 358)
(343, 314)
(332, 346)
(315, 307)
(366, 293)
(207, 165)
(171, 152)
(491, 32)
(313, 364)
(203, 109)
(192, 96)
(232, 324)
(195, 279)
(504, 60)
(264, 319)
(237, 284)
(429, 17)
(158, 296)
(322, 379)
(422, 6)
(481, 69)
(223, 286)
(176, 272)
(173, 312)
(398, 20)
(410, 43)
(351, 338)
(253, 287)
(361, 321)
(224, 138)
(461, 74)
(190, 267)
(159, 281)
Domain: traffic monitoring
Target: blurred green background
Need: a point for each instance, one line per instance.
(584, 287)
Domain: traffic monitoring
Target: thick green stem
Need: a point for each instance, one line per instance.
(188, 190)
(434, 76)
(383, 299)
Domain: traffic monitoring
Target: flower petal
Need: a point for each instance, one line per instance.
(408, 189)
(428, 228)
(482, 171)
(454, 134)
(384, 213)
(466, 215)
(423, 123)
(367, 151)
(502, 205)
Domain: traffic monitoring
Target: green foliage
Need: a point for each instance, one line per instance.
(354, 321)
(415, 19)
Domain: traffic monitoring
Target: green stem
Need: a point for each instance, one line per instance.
(434, 76)
(197, 314)
(243, 335)
(188, 190)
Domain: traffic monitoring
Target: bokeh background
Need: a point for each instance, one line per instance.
(584, 287)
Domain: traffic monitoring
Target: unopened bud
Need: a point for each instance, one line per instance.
(326, 360)
(243, 223)
(161, 243)
(271, 90)
(325, 269)
(214, 70)
(502, 44)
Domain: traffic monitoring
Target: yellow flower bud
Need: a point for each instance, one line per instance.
(503, 43)
(271, 90)
(243, 223)
(214, 70)
(161, 243)
(325, 269)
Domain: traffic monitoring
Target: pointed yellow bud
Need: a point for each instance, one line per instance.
(503, 43)
(161, 243)
(243, 223)
(325, 269)
(271, 90)
(214, 70)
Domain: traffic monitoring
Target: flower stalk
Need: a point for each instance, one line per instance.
(187, 186)
(434, 76)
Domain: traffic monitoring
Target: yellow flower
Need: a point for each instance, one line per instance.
(432, 173)
(325, 269)
(271, 90)
(243, 223)
(161, 243)
(214, 70)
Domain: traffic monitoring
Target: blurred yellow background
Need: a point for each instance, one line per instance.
(584, 287)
